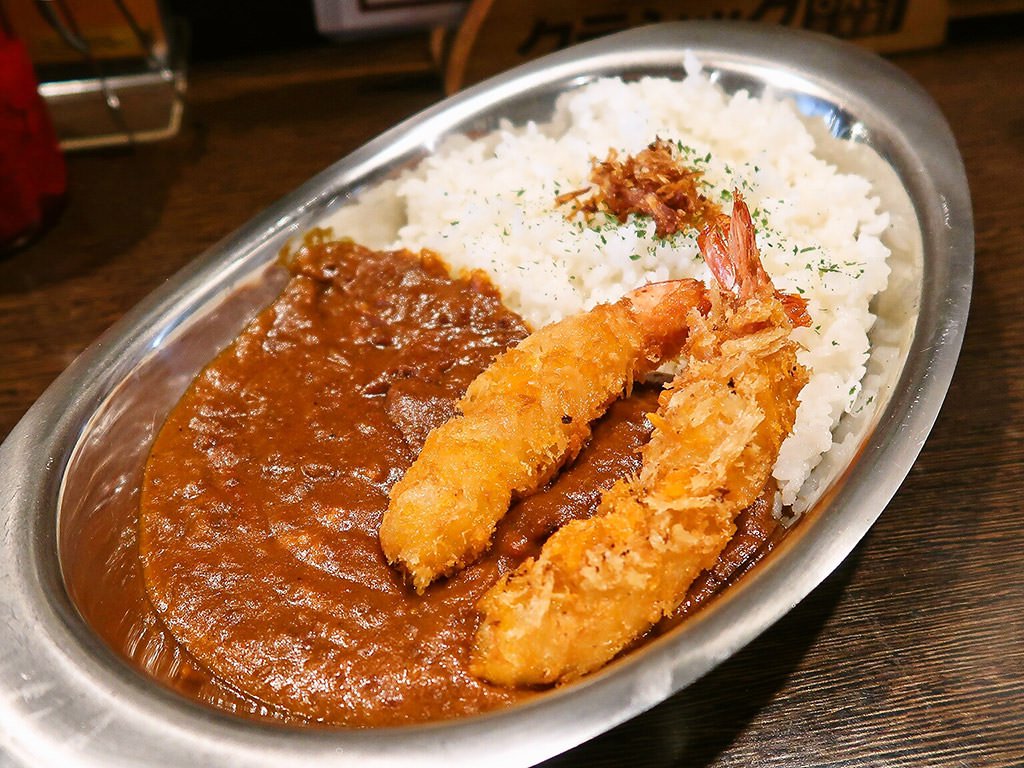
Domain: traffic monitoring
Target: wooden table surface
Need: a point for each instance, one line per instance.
(911, 653)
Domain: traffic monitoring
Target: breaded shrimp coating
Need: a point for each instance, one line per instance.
(521, 419)
(600, 583)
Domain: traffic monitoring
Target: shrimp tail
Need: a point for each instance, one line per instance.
(714, 246)
(796, 309)
(661, 310)
(730, 250)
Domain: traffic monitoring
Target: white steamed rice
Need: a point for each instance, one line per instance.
(489, 204)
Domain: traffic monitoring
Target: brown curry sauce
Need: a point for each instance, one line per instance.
(265, 488)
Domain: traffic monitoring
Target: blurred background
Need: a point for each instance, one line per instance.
(114, 71)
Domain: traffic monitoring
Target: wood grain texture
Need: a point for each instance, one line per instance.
(910, 654)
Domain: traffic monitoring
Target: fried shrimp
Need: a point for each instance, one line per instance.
(600, 583)
(442, 513)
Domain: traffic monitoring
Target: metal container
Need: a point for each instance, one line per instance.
(71, 468)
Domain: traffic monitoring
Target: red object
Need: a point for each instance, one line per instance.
(33, 179)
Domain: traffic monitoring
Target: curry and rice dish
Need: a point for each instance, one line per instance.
(455, 464)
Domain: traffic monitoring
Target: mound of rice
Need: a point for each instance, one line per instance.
(489, 204)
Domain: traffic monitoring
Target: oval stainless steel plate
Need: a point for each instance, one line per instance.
(66, 699)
